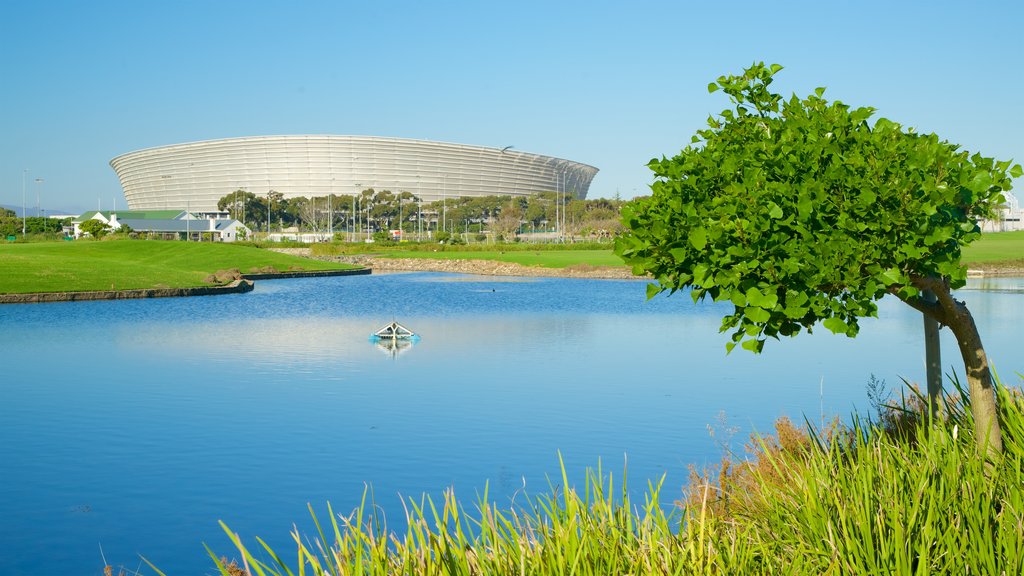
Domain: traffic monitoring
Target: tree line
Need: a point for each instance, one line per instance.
(380, 210)
(12, 225)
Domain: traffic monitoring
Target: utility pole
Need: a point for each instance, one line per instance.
(24, 212)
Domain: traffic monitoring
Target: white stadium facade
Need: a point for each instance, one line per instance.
(196, 175)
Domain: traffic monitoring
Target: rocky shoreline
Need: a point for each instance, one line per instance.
(479, 267)
(493, 268)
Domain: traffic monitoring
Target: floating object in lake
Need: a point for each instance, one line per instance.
(394, 339)
(394, 331)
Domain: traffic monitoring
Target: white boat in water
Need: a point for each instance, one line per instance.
(394, 331)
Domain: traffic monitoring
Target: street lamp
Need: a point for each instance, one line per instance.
(39, 182)
(330, 211)
(24, 212)
(354, 214)
(501, 162)
(188, 203)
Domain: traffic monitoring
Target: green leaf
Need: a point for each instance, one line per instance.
(699, 238)
(756, 314)
(836, 325)
(764, 300)
(981, 182)
(653, 290)
(712, 88)
(738, 298)
(890, 276)
(1016, 171)
(774, 212)
(754, 346)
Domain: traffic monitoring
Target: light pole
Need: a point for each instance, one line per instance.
(354, 213)
(419, 210)
(188, 203)
(501, 162)
(330, 211)
(39, 186)
(444, 202)
(24, 212)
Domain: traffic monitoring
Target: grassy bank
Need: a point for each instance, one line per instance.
(898, 495)
(1001, 247)
(128, 264)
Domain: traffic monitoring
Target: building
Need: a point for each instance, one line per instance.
(1009, 217)
(194, 176)
(169, 224)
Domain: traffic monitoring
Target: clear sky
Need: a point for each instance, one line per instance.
(611, 84)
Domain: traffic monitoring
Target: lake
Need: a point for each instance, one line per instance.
(133, 426)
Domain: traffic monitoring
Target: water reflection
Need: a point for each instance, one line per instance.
(247, 407)
(394, 347)
(996, 284)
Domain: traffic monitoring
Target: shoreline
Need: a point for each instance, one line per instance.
(236, 287)
(369, 264)
(497, 268)
(244, 284)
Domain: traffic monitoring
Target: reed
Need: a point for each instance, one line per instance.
(897, 493)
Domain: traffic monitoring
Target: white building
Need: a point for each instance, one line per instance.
(169, 224)
(194, 176)
(1008, 218)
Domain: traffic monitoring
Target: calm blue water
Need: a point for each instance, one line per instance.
(136, 425)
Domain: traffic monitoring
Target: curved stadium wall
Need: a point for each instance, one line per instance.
(198, 174)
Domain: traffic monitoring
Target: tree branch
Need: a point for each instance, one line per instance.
(940, 311)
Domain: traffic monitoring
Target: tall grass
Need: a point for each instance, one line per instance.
(900, 493)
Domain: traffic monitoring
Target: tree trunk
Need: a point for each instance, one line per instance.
(979, 378)
(933, 355)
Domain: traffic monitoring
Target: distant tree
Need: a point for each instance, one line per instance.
(508, 219)
(800, 211)
(239, 204)
(95, 228)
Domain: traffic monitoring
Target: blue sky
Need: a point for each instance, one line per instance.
(611, 84)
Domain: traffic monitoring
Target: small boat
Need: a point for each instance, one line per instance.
(394, 331)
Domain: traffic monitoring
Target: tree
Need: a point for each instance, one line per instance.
(509, 218)
(801, 211)
(241, 204)
(94, 228)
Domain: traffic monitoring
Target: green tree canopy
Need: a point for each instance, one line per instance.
(94, 228)
(800, 211)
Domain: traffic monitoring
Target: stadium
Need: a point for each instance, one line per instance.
(196, 175)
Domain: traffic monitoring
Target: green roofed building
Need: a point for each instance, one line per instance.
(169, 224)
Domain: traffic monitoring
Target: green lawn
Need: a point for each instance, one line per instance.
(996, 247)
(993, 247)
(125, 264)
(545, 258)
